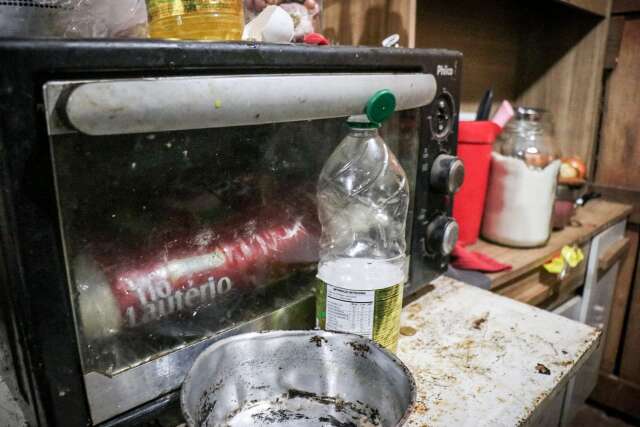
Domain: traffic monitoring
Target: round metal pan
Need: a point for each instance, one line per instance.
(297, 378)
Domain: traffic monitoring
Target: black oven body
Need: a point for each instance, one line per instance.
(37, 332)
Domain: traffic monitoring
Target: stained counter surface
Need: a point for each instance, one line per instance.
(480, 359)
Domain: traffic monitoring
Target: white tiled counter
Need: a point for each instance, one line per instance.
(480, 359)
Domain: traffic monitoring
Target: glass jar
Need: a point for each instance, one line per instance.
(196, 19)
(529, 136)
(522, 182)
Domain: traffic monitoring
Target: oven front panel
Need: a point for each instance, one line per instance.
(174, 238)
(64, 178)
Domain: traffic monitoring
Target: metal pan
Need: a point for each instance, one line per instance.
(297, 378)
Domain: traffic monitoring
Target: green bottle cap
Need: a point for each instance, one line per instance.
(380, 106)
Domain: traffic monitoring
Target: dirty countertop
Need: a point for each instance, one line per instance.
(480, 359)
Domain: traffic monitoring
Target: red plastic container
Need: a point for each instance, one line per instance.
(475, 142)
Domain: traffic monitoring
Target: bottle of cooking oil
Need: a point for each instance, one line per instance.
(363, 199)
(196, 19)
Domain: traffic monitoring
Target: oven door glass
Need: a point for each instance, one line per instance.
(177, 236)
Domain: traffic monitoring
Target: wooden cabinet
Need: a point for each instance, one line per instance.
(618, 177)
(594, 311)
(549, 54)
(618, 174)
(545, 53)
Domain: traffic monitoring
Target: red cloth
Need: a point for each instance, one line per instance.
(316, 39)
(464, 259)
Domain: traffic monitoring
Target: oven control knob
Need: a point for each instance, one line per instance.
(447, 174)
(442, 235)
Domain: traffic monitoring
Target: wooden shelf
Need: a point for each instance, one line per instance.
(566, 289)
(528, 292)
(593, 218)
(540, 288)
(622, 195)
(613, 255)
(548, 54)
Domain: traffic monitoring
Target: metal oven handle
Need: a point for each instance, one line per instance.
(181, 103)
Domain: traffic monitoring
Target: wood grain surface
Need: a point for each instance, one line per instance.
(622, 195)
(619, 153)
(616, 393)
(529, 291)
(616, 25)
(620, 303)
(561, 70)
(593, 218)
(565, 289)
(626, 6)
(487, 33)
(612, 255)
(368, 22)
(555, 64)
(630, 361)
(540, 288)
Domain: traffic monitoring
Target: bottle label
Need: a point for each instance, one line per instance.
(373, 314)
(158, 9)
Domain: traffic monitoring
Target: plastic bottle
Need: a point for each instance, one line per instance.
(363, 198)
(196, 19)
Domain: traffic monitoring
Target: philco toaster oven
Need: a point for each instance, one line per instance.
(157, 196)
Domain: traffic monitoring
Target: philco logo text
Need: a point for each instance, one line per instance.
(444, 70)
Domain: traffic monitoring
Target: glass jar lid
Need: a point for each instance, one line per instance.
(530, 114)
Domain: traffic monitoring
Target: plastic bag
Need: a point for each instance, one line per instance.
(73, 18)
(306, 14)
(112, 19)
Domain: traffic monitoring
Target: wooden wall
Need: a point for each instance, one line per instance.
(620, 147)
(545, 54)
(550, 54)
(368, 22)
(618, 169)
(561, 70)
(618, 177)
(488, 36)
(620, 304)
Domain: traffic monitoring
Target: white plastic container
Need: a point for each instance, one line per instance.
(519, 202)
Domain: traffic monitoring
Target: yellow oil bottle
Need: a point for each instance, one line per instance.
(196, 19)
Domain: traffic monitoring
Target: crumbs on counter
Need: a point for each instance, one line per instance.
(420, 407)
(541, 369)
(477, 324)
(317, 340)
(407, 331)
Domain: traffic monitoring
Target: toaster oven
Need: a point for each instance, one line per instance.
(157, 196)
